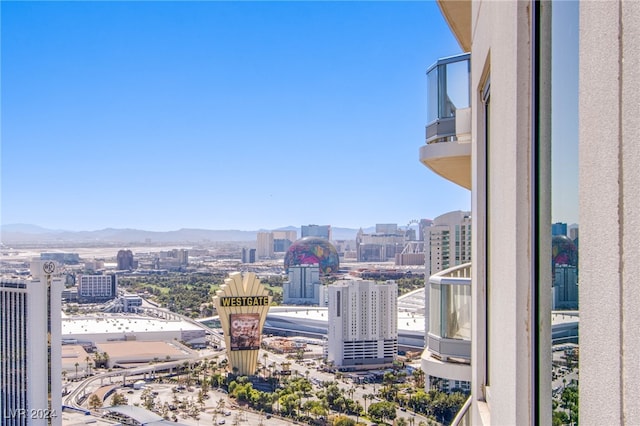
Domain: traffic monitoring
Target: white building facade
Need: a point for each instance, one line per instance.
(264, 245)
(363, 324)
(449, 241)
(304, 286)
(97, 288)
(30, 369)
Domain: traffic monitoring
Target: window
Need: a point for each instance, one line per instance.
(557, 204)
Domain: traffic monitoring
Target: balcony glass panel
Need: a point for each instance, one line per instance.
(448, 87)
(432, 98)
(450, 315)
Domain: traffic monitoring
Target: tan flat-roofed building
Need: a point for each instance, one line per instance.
(125, 354)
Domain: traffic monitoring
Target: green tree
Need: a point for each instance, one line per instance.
(343, 421)
(401, 422)
(95, 402)
(383, 410)
(118, 399)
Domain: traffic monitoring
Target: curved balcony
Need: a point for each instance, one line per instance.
(449, 335)
(458, 16)
(448, 352)
(448, 135)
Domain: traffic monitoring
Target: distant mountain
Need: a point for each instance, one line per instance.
(26, 234)
(26, 229)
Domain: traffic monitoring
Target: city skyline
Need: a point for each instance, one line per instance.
(219, 115)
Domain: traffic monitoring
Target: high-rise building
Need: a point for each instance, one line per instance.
(248, 255)
(511, 111)
(422, 226)
(449, 241)
(386, 228)
(30, 346)
(183, 256)
(125, 260)
(574, 232)
(285, 235)
(282, 240)
(322, 231)
(304, 286)
(559, 228)
(363, 324)
(565, 287)
(380, 246)
(97, 288)
(264, 245)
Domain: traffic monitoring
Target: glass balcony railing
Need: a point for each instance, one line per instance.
(450, 313)
(448, 91)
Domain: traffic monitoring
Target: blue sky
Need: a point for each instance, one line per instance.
(218, 115)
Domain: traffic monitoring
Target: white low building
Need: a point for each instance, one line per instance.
(102, 328)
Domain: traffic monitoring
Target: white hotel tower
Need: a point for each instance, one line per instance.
(363, 324)
(30, 367)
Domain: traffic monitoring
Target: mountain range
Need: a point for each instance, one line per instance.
(25, 234)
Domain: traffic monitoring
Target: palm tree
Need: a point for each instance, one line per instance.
(76, 376)
(418, 377)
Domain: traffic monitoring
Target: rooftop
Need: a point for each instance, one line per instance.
(121, 323)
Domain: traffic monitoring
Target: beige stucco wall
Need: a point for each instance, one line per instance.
(609, 212)
(501, 48)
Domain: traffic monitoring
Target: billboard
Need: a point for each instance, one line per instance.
(244, 330)
(242, 304)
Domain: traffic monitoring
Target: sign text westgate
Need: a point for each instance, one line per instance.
(244, 301)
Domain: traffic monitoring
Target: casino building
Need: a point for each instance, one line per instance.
(30, 371)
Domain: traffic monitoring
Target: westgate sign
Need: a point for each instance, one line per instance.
(245, 301)
(242, 304)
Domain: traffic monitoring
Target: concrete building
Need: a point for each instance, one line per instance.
(101, 328)
(449, 241)
(248, 255)
(322, 231)
(264, 245)
(30, 344)
(125, 260)
(565, 288)
(286, 235)
(379, 246)
(94, 265)
(363, 324)
(304, 286)
(62, 258)
(97, 288)
(559, 228)
(517, 49)
(422, 226)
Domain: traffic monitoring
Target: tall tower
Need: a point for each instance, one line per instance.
(363, 323)
(449, 241)
(30, 371)
(264, 245)
(323, 231)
